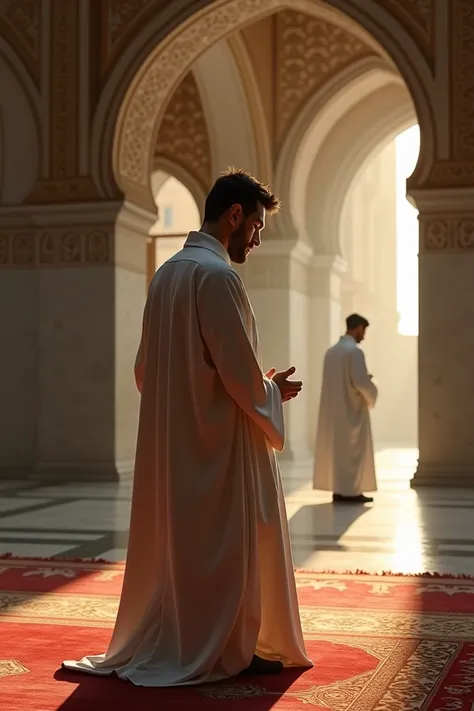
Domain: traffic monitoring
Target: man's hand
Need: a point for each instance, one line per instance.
(289, 389)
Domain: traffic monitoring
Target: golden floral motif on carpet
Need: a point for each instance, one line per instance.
(403, 681)
(11, 667)
(419, 677)
(101, 611)
(419, 586)
(387, 623)
(57, 608)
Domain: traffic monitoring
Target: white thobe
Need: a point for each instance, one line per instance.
(209, 578)
(344, 458)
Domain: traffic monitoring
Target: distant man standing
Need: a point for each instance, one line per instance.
(209, 588)
(344, 460)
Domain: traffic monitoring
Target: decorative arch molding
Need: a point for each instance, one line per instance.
(384, 131)
(355, 139)
(166, 169)
(411, 61)
(158, 180)
(226, 109)
(24, 78)
(2, 155)
(22, 25)
(313, 124)
(261, 134)
(161, 53)
(20, 128)
(183, 136)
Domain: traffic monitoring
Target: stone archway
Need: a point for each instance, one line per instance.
(209, 123)
(367, 126)
(367, 85)
(341, 126)
(84, 267)
(380, 35)
(148, 65)
(183, 144)
(156, 73)
(227, 109)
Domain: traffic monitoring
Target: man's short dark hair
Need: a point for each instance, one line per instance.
(354, 321)
(237, 187)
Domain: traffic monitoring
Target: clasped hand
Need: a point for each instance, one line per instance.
(289, 389)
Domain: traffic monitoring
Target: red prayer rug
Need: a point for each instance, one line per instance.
(379, 643)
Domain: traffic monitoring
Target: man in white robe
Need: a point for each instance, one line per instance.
(344, 459)
(209, 588)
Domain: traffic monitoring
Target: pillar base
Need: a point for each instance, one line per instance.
(441, 477)
(114, 471)
(296, 451)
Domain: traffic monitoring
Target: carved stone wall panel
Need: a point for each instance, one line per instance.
(78, 189)
(183, 137)
(20, 23)
(462, 79)
(309, 52)
(64, 89)
(121, 19)
(66, 95)
(451, 174)
(56, 247)
(446, 233)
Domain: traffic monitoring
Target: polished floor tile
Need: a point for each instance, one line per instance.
(403, 530)
(35, 550)
(8, 504)
(83, 513)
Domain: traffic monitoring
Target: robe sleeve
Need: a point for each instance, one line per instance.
(224, 314)
(361, 379)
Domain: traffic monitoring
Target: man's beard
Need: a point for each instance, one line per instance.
(238, 246)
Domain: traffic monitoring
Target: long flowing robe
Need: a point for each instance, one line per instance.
(344, 458)
(209, 577)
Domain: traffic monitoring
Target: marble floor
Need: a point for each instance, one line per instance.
(403, 531)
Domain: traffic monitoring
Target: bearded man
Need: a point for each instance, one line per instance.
(209, 589)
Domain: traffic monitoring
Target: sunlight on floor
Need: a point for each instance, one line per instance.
(404, 531)
(408, 556)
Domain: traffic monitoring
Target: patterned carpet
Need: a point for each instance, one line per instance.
(379, 644)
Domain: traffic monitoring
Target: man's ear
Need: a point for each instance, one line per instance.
(235, 214)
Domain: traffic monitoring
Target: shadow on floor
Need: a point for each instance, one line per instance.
(94, 693)
(319, 527)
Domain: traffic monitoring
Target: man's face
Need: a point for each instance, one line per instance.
(245, 232)
(360, 334)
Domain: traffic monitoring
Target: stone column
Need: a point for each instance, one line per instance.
(75, 261)
(277, 277)
(296, 299)
(446, 338)
(445, 200)
(324, 326)
(89, 292)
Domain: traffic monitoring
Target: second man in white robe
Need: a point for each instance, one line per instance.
(344, 458)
